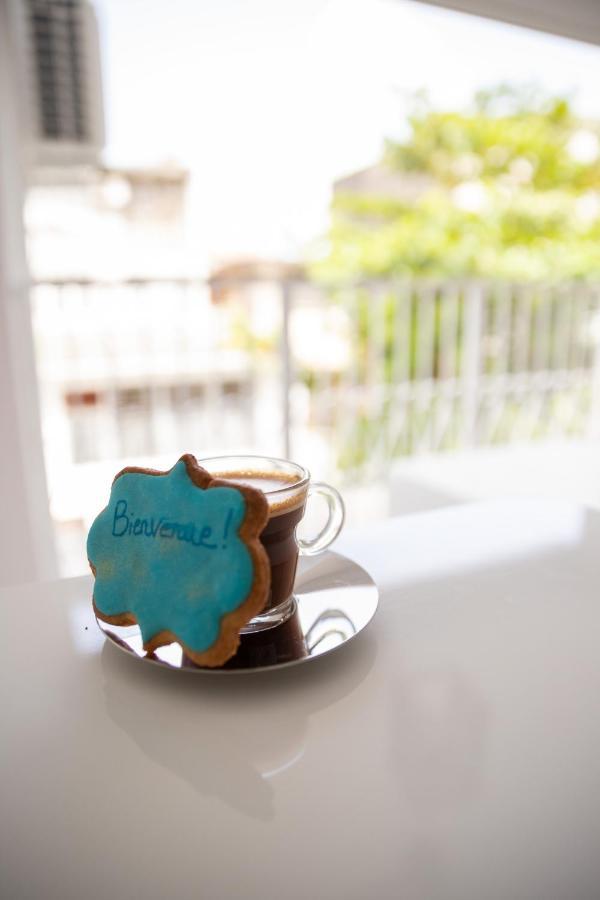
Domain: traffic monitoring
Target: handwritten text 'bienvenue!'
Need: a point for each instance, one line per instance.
(124, 523)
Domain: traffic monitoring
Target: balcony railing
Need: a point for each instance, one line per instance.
(346, 379)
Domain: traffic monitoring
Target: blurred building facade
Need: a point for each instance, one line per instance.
(100, 223)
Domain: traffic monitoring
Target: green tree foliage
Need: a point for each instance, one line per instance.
(510, 188)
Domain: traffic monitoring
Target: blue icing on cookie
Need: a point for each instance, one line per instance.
(169, 552)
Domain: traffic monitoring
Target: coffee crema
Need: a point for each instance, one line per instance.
(278, 487)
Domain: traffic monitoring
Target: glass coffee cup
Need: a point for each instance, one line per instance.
(287, 487)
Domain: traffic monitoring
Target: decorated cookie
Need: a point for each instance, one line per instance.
(178, 552)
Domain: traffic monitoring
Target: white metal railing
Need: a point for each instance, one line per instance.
(435, 366)
(348, 378)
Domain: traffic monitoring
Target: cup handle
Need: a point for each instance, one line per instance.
(333, 525)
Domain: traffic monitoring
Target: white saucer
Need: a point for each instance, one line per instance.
(335, 600)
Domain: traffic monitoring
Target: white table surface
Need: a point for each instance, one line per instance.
(451, 751)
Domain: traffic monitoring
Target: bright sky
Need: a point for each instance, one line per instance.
(268, 101)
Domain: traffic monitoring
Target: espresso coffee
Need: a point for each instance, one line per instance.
(286, 508)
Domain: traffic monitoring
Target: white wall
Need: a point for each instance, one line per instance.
(26, 541)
